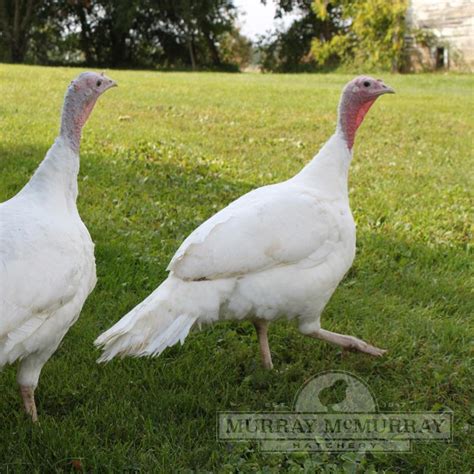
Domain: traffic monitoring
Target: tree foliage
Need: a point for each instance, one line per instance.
(290, 50)
(201, 34)
(118, 33)
(371, 33)
(236, 49)
(16, 19)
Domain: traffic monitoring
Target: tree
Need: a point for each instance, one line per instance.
(372, 33)
(144, 33)
(235, 49)
(16, 19)
(116, 33)
(290, 50)
(197, 25)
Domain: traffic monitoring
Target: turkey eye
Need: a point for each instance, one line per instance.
(99, 83)
(366, 84)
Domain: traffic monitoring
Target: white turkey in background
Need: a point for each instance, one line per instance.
(47, 265)
(278, 251)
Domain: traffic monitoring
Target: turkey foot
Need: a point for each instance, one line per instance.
(348, 343)
(261, 326)
(28, 395)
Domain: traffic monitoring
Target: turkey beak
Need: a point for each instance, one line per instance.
(386, 89)
(110, 83)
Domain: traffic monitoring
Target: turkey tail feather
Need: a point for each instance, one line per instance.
(145, 331)
(163, 319)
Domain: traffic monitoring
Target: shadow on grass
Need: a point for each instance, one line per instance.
(17, 164)
(139, 204)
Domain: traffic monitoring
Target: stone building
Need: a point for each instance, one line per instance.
(442, 34)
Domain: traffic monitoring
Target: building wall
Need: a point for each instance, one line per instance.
(452, 23)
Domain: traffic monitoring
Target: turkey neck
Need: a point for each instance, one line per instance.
(76, 110)
(329, 169)
(56, 177)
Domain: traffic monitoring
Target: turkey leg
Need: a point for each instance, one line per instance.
(261, 327)
(349, 343)
(28, 395)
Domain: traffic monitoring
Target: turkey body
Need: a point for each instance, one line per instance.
(47, 265)
(299, 245)
(278, 251)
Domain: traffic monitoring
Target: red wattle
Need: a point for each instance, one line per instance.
(364, 108)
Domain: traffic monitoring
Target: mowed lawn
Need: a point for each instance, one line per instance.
(165, 151)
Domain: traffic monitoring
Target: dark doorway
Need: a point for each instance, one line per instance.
(441, 58)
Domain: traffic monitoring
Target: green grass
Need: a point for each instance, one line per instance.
(165, 151)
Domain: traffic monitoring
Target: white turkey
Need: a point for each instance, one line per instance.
(47, 265)
(278, 251)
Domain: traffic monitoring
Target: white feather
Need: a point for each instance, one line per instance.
(47, 266)
(280, 250)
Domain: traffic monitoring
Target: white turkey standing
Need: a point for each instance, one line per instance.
(47, 265)
(278, 251)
